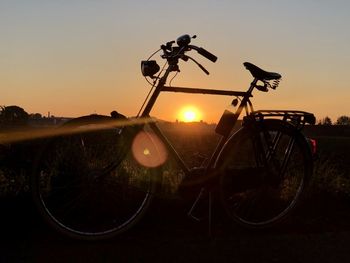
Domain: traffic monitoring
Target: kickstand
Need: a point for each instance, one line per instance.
(209, 213)
(195, 203)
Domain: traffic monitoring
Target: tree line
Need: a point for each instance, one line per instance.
(15, 115)
(342, 120)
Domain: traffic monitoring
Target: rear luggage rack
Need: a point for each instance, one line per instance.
(297, 118)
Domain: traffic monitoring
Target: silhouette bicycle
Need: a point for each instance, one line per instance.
(99, 181)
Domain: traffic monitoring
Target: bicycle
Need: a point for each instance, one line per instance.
(98, 182)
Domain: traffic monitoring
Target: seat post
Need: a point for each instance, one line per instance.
(252, 86)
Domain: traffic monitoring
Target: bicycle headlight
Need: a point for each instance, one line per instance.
(149, 68)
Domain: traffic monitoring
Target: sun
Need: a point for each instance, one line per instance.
(189, 114)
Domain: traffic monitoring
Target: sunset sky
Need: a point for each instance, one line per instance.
(77, 57)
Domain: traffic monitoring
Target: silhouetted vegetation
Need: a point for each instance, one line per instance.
(16, 159)
(325, 121)
(331, 169)
(343, 120)
(194, 141)
(13, 116)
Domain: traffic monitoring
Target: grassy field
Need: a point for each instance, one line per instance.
(195, 142)
(319, 232)
(331, 167)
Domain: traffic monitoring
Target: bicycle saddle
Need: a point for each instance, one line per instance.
(261, 74)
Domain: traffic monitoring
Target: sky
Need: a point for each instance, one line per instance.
(77, 57)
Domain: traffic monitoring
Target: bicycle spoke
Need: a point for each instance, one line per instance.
(91, 190)
(279, 182)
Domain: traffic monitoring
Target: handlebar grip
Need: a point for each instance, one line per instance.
(207, 54)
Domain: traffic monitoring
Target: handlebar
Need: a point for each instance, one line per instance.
(183, 43)
(173, 53)
(205, 53)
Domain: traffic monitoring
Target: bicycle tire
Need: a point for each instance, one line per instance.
(258, 195)
(88, 186)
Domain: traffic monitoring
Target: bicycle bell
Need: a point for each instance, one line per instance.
(183, 40)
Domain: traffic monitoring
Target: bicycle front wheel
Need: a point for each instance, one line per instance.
(89, 186)
(264, 172)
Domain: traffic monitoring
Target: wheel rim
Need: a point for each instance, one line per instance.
(78, 196)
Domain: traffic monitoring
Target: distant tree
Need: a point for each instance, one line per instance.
(325, 121)
(13, 115)
(35, 116)
(343, 120)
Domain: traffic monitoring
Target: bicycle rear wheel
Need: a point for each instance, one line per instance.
(89, 186)
(264, 172)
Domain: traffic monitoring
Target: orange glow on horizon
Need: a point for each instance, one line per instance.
(52, 63)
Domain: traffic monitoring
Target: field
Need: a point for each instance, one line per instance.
(331, 166)
(195, 142)
(318, 230)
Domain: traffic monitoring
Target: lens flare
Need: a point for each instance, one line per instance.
(148, 150)
(27, 134)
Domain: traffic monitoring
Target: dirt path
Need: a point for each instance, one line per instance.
(320, 232)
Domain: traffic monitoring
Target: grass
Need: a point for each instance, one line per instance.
(332, 168)
(195, 142)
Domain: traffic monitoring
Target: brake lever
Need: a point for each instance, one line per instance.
(185, 58)
(167, 46)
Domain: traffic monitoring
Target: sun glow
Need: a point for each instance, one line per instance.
(189, 114)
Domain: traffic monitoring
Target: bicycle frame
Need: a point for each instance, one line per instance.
(245, 101)
(93, 200)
